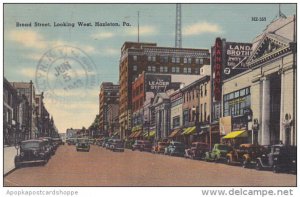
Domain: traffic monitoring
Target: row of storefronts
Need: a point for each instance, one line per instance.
(248, 95)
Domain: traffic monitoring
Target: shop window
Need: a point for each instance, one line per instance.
(176, 121)
(135, 68)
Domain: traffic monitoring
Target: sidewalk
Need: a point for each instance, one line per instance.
(9, 156)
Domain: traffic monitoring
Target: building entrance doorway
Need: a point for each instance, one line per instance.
(275, 98)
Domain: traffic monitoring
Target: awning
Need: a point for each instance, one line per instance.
(236, 134)
(152, 134)
(175, 133)
(145, 134)
(116, 133)
(132, 134)
(137, 134)
(191, 131)
(185, 130)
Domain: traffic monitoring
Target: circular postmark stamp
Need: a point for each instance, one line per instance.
(65, 71)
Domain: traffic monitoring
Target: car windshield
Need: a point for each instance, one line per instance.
(223, 147)
(28, 145)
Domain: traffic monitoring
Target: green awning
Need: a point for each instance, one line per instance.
(236, 134)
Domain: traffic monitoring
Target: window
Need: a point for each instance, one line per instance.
(177, 69)
(185, 60)
(196, 71)
(176, 121)
(135, 58)
(153, 68)
(161, 69)
(135, 68)
(189, 70)
(151, 58)
(149, 68)
(201, 112)
(204, 112)
(177, 59)
(201, 61)
(184, 70)
(189, 60)
(201, 91)
(166, 69)
(197, 60)
(205, 89)
(173, 60)
(173, 69)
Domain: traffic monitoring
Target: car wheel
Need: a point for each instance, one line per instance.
(258, 165)
(245, 163)
(228, 161)
(275, 169)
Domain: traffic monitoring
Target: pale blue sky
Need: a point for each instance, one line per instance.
(201, 24)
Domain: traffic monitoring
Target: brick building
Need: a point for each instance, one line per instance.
(108, 102)
(138, 57)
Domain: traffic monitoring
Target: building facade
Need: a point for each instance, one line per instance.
(262, 99)
(108, 100)
(139, 57)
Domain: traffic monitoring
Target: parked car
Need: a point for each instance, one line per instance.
(218, 152)
(117, 145)
(92, 141)
(108, 143)
(105, 140)
(160, 147)
(175, 148)
(278, 158)
(32, 151)
(49, 144)
(197, 150)
(142, 145)
(245, 154)
(82, 145)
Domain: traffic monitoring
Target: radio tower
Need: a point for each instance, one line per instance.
(178, 36)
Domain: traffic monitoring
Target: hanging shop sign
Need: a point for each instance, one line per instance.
(236, 55)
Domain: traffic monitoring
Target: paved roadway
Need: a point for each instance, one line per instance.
(101, 167)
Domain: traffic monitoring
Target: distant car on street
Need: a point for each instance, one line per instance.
(71, 141)
(175, 148)
(32, 151)
(82, 145)
(117, 145)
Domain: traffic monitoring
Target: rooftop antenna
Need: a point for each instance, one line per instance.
(138, 26)
(178, 36)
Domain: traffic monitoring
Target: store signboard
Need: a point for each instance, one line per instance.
(236, 55)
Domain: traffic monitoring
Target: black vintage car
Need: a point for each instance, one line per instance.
(117, 145)
(278, 158)
(32, 151)
(82, 145)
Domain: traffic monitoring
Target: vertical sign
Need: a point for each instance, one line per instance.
(218, 69)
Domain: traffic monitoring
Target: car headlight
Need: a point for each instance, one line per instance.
(22, 154)
(294, 161)
(275, 159)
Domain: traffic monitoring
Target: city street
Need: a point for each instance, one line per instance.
(101, 167)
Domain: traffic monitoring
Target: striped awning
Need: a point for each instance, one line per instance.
(236, 134)
(132, 134)
(175, 133)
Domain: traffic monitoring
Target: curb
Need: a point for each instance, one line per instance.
(9, 172)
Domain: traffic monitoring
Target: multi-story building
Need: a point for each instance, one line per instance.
(176, 123)
(196, 110)
(28, 89)
(261, 101)
(10, 115)
(139, 57)
(43, 116)
(108, 99)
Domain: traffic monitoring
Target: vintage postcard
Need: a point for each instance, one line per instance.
(150, 95)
